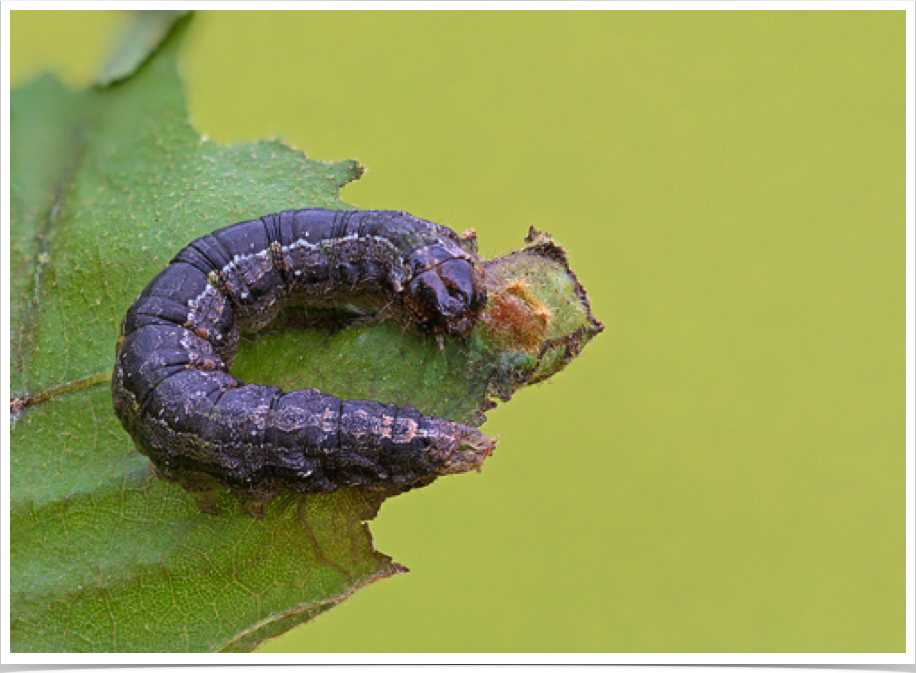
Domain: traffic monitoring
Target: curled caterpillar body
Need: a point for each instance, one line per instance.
(202, 427)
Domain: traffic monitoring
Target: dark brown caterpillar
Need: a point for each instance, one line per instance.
(202, 427)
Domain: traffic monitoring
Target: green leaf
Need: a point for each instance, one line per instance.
(146, 32)
(107, 184)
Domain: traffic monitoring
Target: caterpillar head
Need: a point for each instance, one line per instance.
(448, 298)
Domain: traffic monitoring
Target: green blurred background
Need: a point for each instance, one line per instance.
(723, 468)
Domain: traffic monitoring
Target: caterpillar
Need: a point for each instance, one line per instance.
(205, 429)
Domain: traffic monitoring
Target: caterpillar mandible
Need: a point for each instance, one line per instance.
(203, 428)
